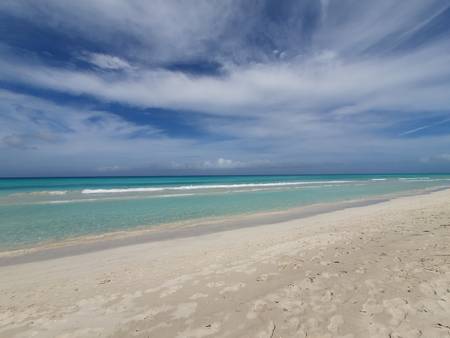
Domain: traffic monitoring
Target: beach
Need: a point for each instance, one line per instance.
(378, 270)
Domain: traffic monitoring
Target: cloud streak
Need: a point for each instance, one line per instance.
(427, 126)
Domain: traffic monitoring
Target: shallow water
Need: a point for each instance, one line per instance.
(34, 211)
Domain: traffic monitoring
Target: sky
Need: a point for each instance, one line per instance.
(176, 87)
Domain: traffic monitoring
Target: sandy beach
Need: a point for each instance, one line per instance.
(381, 270)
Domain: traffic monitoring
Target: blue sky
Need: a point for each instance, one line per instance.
(223, 87)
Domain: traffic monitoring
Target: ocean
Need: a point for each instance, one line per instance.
(36, 211)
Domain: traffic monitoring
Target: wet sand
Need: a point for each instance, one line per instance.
(380, 270)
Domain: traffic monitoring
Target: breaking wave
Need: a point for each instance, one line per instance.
(206, 187)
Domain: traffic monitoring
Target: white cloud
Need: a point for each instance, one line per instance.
(439, 158)
(112, 168)
(51, 138)
(165, 30)
(334, 73)
(105, 61)
(426, 126)
(444, 157)
(328, 98)
(173, 30)
(222, 163)
(409, 83)
(15, 141)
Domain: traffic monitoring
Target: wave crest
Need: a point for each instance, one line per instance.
(205, 187)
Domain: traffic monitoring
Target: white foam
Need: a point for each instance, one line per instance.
(423, 179)
(56, 192)
(42, 193)
(175, 195)
(205, 187)
(414, 178)
(112, 191)
(71, 201)
(78, 200)
(378, 179)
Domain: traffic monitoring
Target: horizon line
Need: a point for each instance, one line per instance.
(228, 175)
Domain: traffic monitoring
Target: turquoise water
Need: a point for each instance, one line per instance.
(34, 211)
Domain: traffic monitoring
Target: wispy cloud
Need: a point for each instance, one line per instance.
(105, 61)
(426, 126)
(303, 82)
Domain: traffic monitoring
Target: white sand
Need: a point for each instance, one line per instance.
(375, 271)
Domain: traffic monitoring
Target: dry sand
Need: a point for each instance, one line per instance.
(373, 271)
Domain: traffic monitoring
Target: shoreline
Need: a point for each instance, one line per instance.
(380, 270)
(197, 227)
